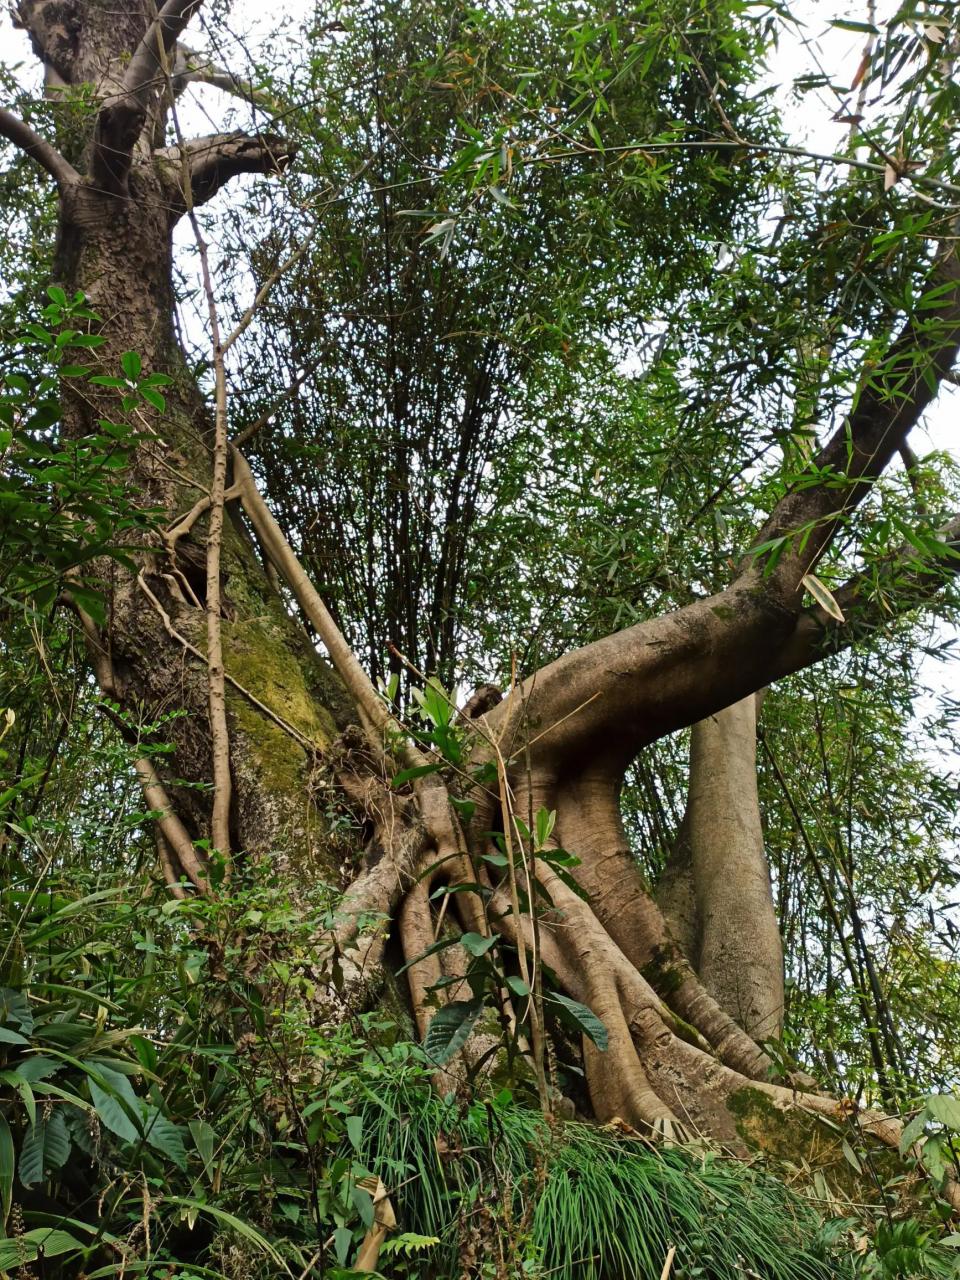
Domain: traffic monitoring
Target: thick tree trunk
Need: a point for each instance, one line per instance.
(682, 1044)
(116, 247)
(739, 954)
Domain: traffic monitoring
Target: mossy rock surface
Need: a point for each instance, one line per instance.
(808, 1151)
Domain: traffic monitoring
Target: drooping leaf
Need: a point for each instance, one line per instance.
(585, 1019)
(165, 1136)
(46, 1146)
(112, 1113)
(823, 596)
(355, 1131)
(204, 1139)
(450, 1028)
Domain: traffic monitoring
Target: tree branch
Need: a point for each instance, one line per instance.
(48, 157)
(864, 604)
(124, 113)
(215, 159)
(610, 698)
(191, 67)
(889, 404)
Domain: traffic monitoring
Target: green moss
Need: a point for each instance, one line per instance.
(662, 973)
(803, 1141)
(257, 657)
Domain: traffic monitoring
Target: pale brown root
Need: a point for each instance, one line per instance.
(381, 728)
(173, 839)
(675, 894)
(171, 873)
(416, 934)
(172, 829)
(589, 824)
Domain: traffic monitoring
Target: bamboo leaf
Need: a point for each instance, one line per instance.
(823, 596)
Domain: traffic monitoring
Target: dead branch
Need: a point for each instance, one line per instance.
(209, 162)
(191, 67)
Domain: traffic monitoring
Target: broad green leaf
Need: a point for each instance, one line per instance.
(407, 775)
(49, 1242)
(945, 1109)
(363, 1203)
(450, 1028)
(112, 1113)
(912, 1131)
(546, 820)
(355, 1131)
(342, 1240)
(204, 1139)
(154, 398)
(585, 1019)
(164, 1136)
(37, 1068)
(6, 1172)
(46, 1146)
(850, 1156)
(476, 944)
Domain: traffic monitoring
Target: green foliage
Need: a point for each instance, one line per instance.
(118, 1088)
(64, 503)
(579, 1202)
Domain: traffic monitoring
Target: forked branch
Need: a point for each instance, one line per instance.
(190, 67)
(207, 163)
(124, 113)
(636, 685)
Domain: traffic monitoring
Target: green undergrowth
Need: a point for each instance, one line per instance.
(172, 1104)
(578, 1202)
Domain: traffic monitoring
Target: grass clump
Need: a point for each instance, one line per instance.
(500, 1187)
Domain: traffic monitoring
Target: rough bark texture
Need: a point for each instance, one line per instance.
(117, 248)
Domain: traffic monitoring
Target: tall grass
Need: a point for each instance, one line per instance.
(583, 1203)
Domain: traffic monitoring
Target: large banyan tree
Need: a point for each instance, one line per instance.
(532, 195)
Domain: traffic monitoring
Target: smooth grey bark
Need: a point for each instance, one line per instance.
(739, 949)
